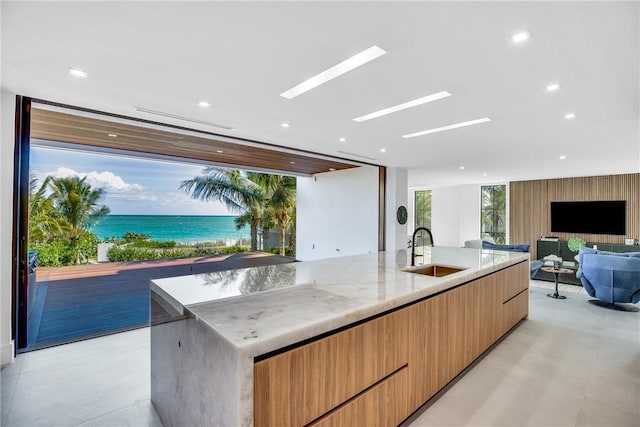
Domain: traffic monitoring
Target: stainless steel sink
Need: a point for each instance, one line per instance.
(435, 270)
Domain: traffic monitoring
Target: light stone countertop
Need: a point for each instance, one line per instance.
(261, 309)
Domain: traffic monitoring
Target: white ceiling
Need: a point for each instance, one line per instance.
(240, 56)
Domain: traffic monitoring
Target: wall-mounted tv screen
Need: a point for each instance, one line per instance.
(600, 217)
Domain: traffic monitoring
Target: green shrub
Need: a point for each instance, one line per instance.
(174, 253)
(131, 236)
(232, 249)
(51, 254)
(287, 251)
(116, 240)
(221, 250)
(116, 254)
(130, 253)
(154, 244)
(67, 252)
(87, 245)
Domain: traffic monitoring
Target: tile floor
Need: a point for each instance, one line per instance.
(98, 382)
(569, 364)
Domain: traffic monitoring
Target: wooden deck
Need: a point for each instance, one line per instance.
(79, 302)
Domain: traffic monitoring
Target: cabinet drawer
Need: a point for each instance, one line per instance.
(300, 385)
(514, 310)
(516, 279)
(385, 404)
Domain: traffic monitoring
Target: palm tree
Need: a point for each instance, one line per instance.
(232, 188)
(494, 202)
(423, 208)
(77, 203)
(280, 191)
(44, 221)
(292, 232)
(267, 222)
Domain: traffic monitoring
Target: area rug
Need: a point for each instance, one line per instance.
(562, 287)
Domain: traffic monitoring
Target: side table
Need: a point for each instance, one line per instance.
(556, 272)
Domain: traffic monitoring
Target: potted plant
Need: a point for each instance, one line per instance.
(575, 244)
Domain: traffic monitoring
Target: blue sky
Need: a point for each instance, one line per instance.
(133, 186)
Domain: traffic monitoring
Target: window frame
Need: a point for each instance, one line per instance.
(500, 237)
(415, 209)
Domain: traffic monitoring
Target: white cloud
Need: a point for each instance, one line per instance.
(111, 182)
(130, 198)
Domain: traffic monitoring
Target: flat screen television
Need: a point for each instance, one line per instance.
(599, 217)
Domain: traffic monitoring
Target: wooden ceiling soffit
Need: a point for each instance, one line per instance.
(68, 128)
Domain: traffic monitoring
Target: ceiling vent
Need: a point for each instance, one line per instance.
(186, 119)
(356, 155)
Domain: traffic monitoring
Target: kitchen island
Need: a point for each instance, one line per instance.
(359, 340)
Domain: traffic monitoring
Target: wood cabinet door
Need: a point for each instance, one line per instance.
(384, 405)
(298, 386)
(514, 280)
(514, 310)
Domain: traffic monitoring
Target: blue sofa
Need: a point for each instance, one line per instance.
(534, 265)
(610, 276)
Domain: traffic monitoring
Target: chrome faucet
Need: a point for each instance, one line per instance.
(413, 243)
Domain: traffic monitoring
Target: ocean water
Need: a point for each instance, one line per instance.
(181, 228)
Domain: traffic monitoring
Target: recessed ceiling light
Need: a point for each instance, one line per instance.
(563, 157)
(78, 73)
(570, 116)
(443, 128)
(383, 150)
(553, 87)
(404, 106)
(292, 163)
(219, 151)
(461, 167)
(332, 169)
(522, 36)
(285, 125)
(342, 139)
(113, 135)
(204, 104)
(337, 70)
(484, 174)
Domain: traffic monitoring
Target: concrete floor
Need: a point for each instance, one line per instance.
(569, 364)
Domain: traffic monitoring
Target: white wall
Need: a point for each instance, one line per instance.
(469, 196)
(445, 216)
(337, 214)
(396, 233)
(7, 108)
(455, 213)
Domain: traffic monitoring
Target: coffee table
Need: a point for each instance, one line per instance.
(556, 272)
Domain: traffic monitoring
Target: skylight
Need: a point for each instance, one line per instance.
(448, 127)
(404, 106)
(336, 71)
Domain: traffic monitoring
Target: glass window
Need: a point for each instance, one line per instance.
(423, 209)
(493, 212)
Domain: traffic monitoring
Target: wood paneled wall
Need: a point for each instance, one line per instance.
(529, 216)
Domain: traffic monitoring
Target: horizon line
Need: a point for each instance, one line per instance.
(151, 214)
